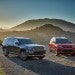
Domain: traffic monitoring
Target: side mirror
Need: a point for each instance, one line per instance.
(16, 43)
(54, 42)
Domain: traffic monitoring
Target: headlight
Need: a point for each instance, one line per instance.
(73, 46)
(29, 48)
(44, 48)
(59, 46)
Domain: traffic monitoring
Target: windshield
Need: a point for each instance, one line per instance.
(62, 41)
(25, 41)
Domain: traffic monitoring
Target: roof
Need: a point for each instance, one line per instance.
(17, 37)
(60, 37)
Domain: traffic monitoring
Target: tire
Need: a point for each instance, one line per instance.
(57, 54)
(41, 57)
(50, 50)
(5, 52)
(23, 55)
(72, 54)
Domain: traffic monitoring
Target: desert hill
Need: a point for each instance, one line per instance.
(32, 24)
(2, 30)
(41, 34)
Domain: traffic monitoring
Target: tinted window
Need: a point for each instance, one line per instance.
(25, 41)
(62, 41)
(8, 41)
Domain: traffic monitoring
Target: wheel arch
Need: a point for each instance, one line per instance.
(22, 50)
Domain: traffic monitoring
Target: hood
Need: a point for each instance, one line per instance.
(31, 45)
(66, 44)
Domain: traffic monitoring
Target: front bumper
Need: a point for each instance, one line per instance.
(66, 51)
(37, 53)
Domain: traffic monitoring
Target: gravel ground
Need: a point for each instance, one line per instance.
(50, 65)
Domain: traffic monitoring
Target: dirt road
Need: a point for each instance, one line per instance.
(50, 65)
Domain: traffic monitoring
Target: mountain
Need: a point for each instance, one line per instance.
(42, 34)
(32, 24)
(2, 30)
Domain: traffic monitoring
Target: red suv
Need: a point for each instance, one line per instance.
(61, 45)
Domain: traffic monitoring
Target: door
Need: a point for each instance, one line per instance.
(16, 46)
(10, 43)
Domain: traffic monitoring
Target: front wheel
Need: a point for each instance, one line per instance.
(5, 52)
(50, 50)
(72, 54)
(57, 53)
(23, 55)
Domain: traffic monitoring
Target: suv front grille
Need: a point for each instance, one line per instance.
(67, 46)
(38, 48)
(39, 52)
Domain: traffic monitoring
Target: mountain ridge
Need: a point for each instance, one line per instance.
(41, 35)
(32, 24)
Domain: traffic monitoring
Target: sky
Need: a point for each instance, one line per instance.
(15, 12)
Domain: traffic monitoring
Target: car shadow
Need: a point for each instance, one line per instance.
(70, 57)
(44, 67)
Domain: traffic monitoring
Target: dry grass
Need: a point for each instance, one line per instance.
(2, 71)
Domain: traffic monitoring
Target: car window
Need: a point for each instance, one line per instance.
(8, 41)
(25, 41)
(11, 41)
(62, 41)
(5, 41)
